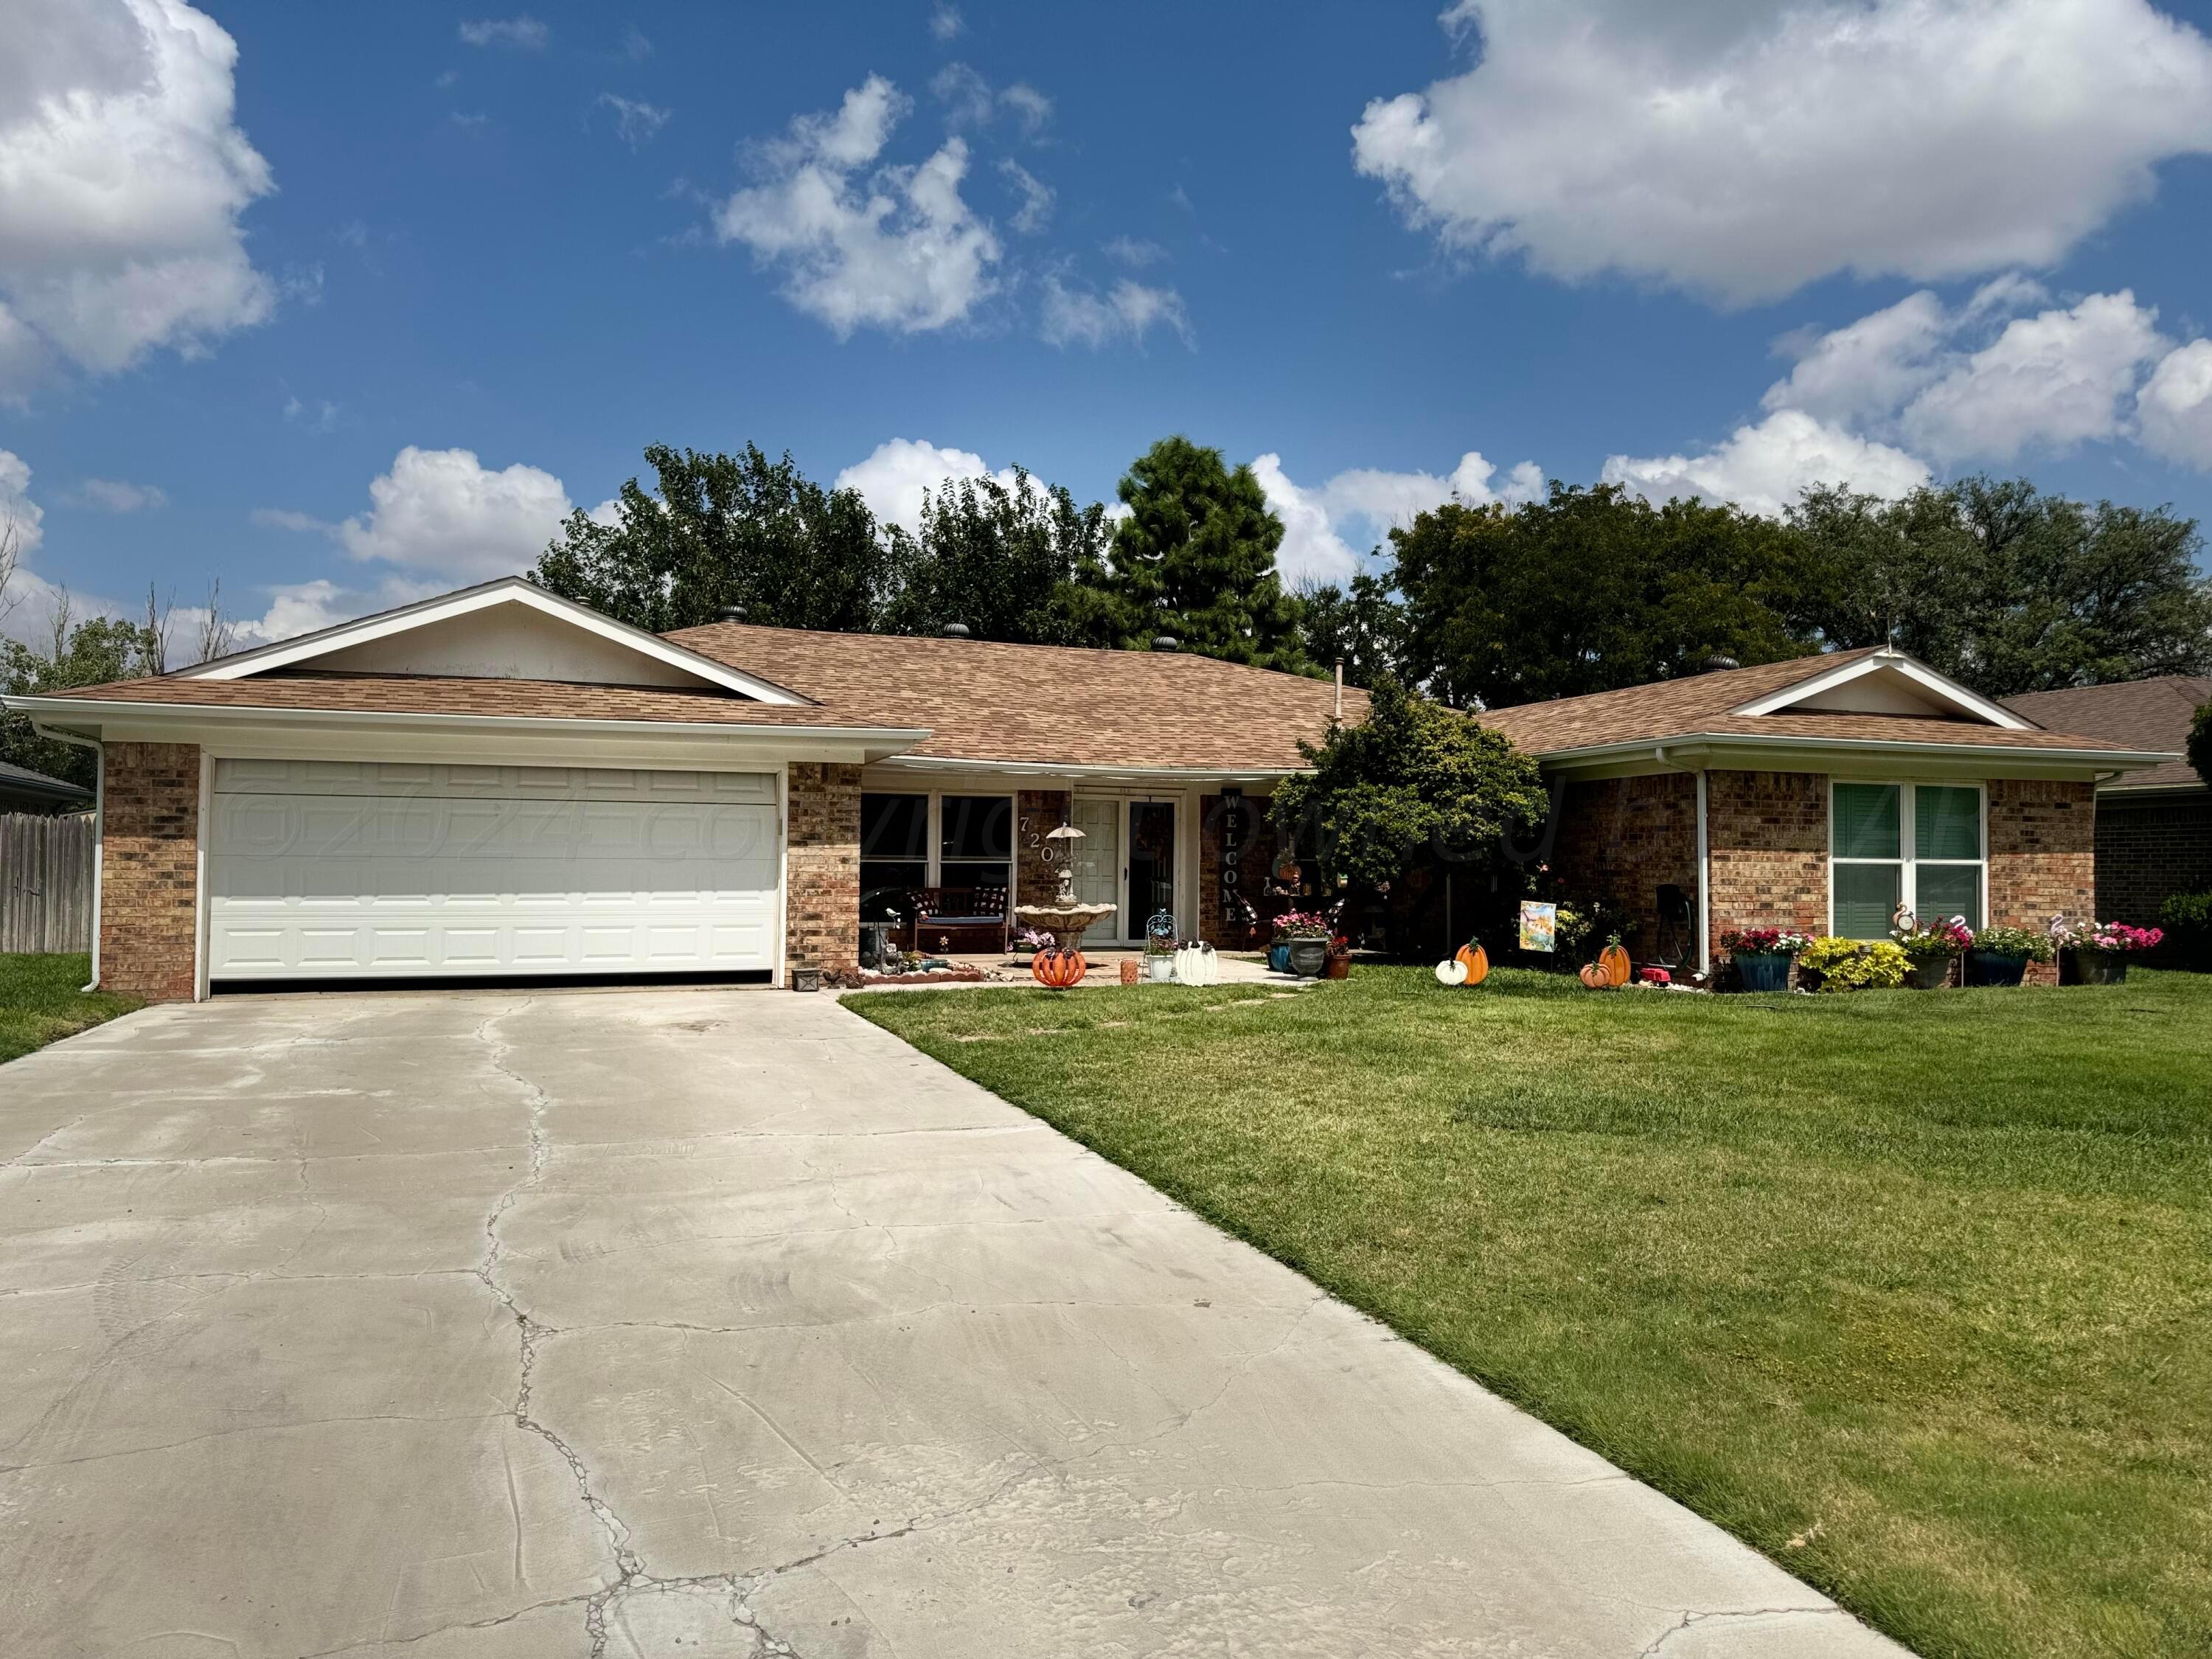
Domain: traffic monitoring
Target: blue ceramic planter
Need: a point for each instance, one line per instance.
(1988, 968)
(1764, 970)
(1278, 958)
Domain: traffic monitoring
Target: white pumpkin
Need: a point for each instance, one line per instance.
(1452, 971)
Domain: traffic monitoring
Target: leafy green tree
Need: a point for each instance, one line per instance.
(1361, 625)
(2009, 589)
(76, 653)
(723, 530)
(1589, 590)
(2200, 743)
(1413, 783)
(1021, 564)
(1195, 558)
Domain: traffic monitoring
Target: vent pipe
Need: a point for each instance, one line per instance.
(954, 630)
(730, 613)
(1165, 642)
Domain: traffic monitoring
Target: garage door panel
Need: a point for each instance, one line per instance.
(331, 868)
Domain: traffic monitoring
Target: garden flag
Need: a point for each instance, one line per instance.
(1538, 924)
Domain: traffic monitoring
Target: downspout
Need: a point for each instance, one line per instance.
(1704, 863)
(99, 826)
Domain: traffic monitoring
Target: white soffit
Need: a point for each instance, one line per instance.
(1886, 682)
(376, 644)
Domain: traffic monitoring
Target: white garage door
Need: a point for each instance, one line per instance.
(338, 870)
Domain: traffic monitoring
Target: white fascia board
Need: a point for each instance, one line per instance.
(1694, 749)
(1940, 686)
(508, 590)
(1182, 775)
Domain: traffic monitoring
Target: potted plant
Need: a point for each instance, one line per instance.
(1338, 963)
(1159, 959)
(1307, 936)
(2098, 951)
(1931, 950)
(1762, 955)
(2000, 956)
(1030, 940)
(1854, 964)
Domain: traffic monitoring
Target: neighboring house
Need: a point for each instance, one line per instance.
(22, 790)
(2154, 827)
(503, 783)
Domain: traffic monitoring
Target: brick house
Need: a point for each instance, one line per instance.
(499, 783)
(2154, 826)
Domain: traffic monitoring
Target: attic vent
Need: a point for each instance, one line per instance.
(954, 630)
(730, 613)
(1718, 661)
(1165, 642)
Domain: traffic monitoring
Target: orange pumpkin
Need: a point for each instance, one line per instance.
(1614, 961)
(1594, 975)
(1057, 969)
(1476, 960)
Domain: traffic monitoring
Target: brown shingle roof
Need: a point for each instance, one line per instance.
(1699, 706)
(1044, 705)
(2152, 715)
(428, 694)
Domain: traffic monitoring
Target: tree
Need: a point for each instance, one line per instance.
(1195, 558)
(1589, 590)
(1413, 783)
(727, 529)
(1361, 625)
(1020, 564)
(2200, 743)
(2009, 589)
(76, 653)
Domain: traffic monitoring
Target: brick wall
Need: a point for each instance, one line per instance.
(822, 906)
(1227, 925)
(149, 870)
(1766, 835)
(1620, 838)
(1036, 813)
(2043, 854)
(2150, 850)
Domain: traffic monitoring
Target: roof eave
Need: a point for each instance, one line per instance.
(1691, 749)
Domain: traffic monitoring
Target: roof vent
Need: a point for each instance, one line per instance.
(730, 613)
(1165, 642)
(1717, 662)
(954, 630)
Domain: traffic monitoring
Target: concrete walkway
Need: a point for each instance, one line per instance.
(721, 1323)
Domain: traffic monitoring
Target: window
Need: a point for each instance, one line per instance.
(1874, 866)
(976, 841)
(894, 852)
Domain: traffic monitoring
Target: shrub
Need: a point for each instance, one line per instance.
(1855, 964)
(2188, 918)
(2013, 942)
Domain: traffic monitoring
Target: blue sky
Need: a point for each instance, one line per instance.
(346, 304)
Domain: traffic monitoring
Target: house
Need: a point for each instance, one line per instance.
(499, 783)
(2154, 827)
(22, 790)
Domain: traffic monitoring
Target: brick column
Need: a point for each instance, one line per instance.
(1253, 867)
(2042, 855)
(1621, 838)
(822, 901)
(1036, 813)
(1766, 841)
(149, 870)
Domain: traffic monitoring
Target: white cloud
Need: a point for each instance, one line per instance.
(1322, 524)
(122, 179)
(1036, 209)
(2174, 408)
(523, 33)
(946, 22)
(1765, 468)
(115, 495)
(319, 416)
(637, 44)
(16, 507)
(891, 479)
(966, 94)
(1030, 107)
(441, 513)
(898, 250)
(1742, 151)
(1128, 310)
(1133, 252)
(636, 123)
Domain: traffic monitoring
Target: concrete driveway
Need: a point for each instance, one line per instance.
(721, 1323)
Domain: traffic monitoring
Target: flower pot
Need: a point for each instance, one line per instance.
(1337, 965)
(1931, 973)
(1278, 956)
(2099, 967)
(1160, 970)
(1764, 970)
(1308, 957)
(1988, 968)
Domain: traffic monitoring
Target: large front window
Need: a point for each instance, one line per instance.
(1914, 845)
(976, 841)
(909, 841)
(894, 853)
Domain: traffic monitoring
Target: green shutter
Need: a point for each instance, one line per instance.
(1866, 823)
(1866, 898)
(1947, 823)
(1948, 889)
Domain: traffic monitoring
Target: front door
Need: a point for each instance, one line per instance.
(1127, 859)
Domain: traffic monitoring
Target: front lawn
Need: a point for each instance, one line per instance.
(39, 1002)
(1911, 1292)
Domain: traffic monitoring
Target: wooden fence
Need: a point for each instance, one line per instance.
(46, 882)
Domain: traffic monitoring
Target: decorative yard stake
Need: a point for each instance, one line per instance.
(1058, 969)
(1614, 960)
(1476, 960)
(1452, 971)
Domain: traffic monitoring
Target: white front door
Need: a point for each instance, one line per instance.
(1098, 860)
(1127, 859)
(345, 870)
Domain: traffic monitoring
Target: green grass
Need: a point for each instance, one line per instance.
(1911, 1292)
(39, 1002)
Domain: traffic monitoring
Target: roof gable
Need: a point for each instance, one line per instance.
(1884, 682)
(510, 629)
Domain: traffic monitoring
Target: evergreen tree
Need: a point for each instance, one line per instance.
(1020, 564)
(1195, 558)
(1361, 625)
